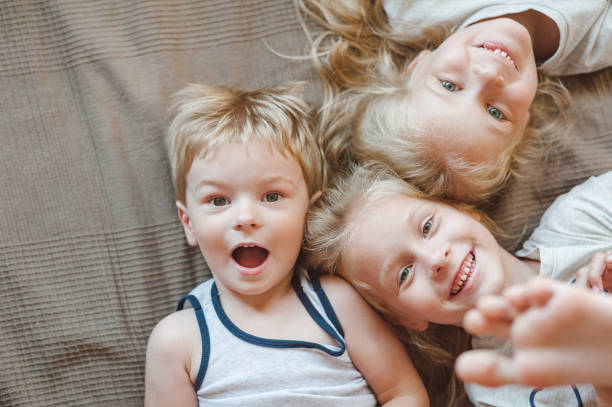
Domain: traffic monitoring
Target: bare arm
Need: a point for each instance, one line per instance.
(374, 349)
(170, 355)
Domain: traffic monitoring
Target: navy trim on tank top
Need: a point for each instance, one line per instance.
(535, 391)
(329, 310)
(281, 343)
(195, 304)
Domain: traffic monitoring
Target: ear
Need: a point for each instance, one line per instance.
(409, 68)
(314, 197)
(408, 323)
(183, 215)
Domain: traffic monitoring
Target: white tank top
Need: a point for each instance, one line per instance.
(239, 369)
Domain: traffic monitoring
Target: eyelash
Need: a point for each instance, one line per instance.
(403, 277)
(501, 117)
(225, 201)
(214, 198)
(278, 196)
(427, 226)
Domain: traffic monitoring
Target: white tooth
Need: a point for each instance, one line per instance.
(504, 54)
(464, 277)
(497, 51)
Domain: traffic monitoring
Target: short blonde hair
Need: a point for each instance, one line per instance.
(207, 116)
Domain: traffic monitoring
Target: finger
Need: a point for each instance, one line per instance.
(596, 268)
(496, 307)
(487, 368)
(477, 324)
(535, 293)
(582, 277)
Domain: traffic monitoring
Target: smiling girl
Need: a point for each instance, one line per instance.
(457, 115)
(423, 262)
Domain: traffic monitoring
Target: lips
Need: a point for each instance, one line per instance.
(250, 256)
(500, 49)
(463, 274)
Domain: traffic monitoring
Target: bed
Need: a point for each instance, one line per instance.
(91, 251)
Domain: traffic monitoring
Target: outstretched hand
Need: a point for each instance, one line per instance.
(560, 335)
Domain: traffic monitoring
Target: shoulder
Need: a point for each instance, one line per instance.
(339, 290)
(351, 308)
(592, 196)
(175, 337)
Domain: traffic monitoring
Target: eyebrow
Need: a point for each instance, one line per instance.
(264, 180)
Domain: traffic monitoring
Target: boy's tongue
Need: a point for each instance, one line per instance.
(250, 257)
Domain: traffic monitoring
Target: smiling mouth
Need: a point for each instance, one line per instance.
(498, 49)
(250, 256)
(464, 274)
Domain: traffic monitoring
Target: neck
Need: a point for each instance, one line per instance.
(543, 31)
(518, 271)
(234, 301)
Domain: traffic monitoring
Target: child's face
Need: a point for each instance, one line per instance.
(470, 94)
(424, 261)
(245, 208)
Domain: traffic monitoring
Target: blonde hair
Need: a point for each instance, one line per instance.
(365, 113)
(207, 116)
(327, 237)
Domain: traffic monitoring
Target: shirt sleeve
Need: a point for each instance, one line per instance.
(585, 27)
(573, 228)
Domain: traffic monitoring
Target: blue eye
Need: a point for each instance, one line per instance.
(404, 274)
(427, 227)
(495, 113)
(449, 86)
(219, 201)
(272, 197)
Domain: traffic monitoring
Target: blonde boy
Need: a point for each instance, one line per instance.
(245, 168)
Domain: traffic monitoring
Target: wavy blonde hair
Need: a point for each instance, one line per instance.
(207, 116)
(365, 114)
(327, 237)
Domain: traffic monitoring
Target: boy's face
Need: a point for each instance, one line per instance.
(474, 91)
(424, 261)
(245, 208)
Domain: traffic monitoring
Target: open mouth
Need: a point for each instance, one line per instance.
(464, 274)
(498, 49)
(250, 256)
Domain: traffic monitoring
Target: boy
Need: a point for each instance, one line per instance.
(245, 169)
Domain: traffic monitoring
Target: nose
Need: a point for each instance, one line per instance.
(488, 75)
(246, 217)
(439, 261)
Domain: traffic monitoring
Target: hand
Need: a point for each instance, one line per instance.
(597, 275)
(560, 335)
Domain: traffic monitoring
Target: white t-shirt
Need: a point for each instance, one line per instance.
(577, 225)
(585, 26)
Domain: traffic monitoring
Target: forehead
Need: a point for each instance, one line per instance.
(253, 159)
